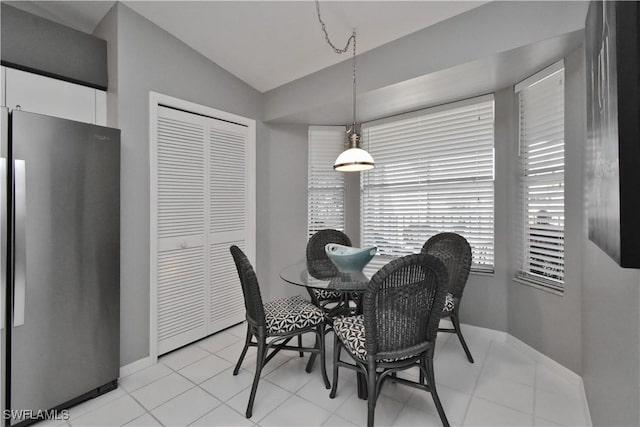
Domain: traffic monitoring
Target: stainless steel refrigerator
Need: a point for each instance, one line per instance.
(60, 200)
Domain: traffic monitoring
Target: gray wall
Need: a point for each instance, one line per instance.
(37, 45)
(150, 59)
(282, 206)
(611, 338)
(610, 334)
(485, 296)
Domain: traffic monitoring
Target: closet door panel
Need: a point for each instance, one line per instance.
(181, 297)
(181, 228)
(225, 291)
(228, 220)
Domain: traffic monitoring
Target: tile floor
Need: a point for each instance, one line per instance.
(195, 386)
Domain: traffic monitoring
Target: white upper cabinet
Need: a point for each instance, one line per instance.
(45, 95)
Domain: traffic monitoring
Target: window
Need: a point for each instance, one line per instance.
(434, 173)
(541, 149)
(325, 186)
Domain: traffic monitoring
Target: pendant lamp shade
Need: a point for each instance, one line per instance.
(354, 160)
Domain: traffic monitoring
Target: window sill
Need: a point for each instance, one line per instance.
(536, 285)
(483, 273)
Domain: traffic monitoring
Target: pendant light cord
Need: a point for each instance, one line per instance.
(326, 35)
(341, 51)
(354, 80)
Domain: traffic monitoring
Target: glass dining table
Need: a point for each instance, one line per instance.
(297, 274)
(348, 284)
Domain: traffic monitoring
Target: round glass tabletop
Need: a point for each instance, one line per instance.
(297, 274)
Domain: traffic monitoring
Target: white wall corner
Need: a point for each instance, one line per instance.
(136, 366)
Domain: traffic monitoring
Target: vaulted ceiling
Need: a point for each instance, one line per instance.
(266, 43)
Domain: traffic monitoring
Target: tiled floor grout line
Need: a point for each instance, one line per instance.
(213, 409)
(276, 385)
(493, 398)
(222, 402)
(157, 379)
(504, 379)
(222, 348)
(191, 388)
(154, 417)
(475, 386)
(272, 383)
(148, 411)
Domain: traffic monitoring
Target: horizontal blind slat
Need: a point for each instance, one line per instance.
(434, 173)
(542, 183)
(325, 187)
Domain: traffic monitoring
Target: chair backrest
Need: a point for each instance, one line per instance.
(402, 306)
(250, 287)
(455, 252)
(318, 263)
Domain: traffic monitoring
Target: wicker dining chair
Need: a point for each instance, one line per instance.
(320, 266)
(281, 320)
(455, 251)
(398, 328)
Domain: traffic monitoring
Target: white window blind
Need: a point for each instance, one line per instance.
(434, 173)
(541, 100)
(325, 186)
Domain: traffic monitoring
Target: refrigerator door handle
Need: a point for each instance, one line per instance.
(3, 233)
(20, 268)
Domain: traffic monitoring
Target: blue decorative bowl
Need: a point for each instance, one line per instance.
(348, 259)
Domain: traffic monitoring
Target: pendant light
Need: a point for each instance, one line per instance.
(354, 158)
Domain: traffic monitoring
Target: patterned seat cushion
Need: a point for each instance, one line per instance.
(326, 294)
(350, 330)
(449, 303)
(289, 314)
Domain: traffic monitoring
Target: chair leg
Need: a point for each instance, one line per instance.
(260, 357)
(312, 358)
(323, 361)
(336, 359)
(456, 326)
(428, 363)
(244, 351)
(300, 344)
(372, 395)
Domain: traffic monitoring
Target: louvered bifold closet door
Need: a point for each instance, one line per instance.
(228, 217)
(181, 228)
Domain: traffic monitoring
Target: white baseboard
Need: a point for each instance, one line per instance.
(136, 366)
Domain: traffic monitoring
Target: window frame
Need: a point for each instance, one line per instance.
(482, 269)
(325, 164)
(550, 175)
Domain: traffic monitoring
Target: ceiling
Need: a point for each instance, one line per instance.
(478, 77)
(266, 43)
